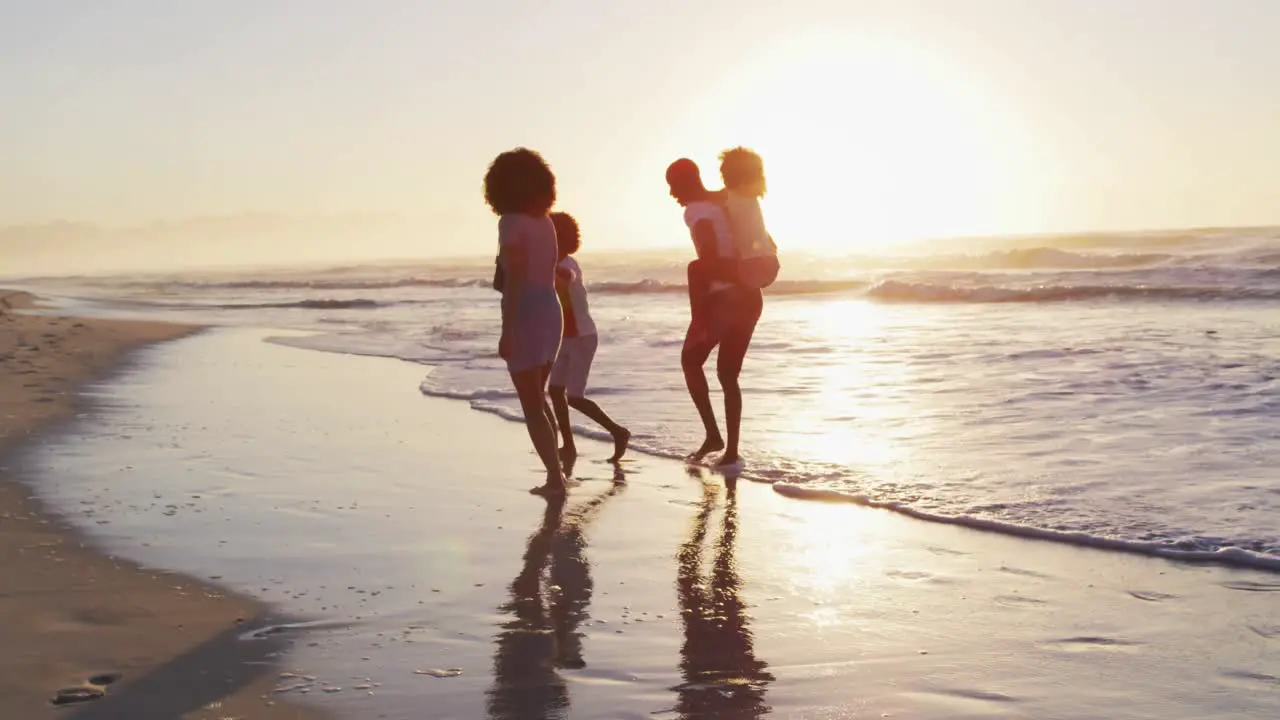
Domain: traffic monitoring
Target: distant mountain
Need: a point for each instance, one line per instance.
(227, 240)
(61, 230)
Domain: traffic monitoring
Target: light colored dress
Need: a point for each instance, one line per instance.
(539, 321)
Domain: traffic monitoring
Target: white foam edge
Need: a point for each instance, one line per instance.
(1226, 556)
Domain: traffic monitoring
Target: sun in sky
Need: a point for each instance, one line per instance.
(867, 141)
(878, 122)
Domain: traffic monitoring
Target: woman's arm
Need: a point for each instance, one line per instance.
(511, 255)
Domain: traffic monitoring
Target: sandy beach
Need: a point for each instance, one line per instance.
(985, 295)
(157, 644)
(431, 585)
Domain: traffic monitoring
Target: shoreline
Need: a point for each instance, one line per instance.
(76, 620)
(401, 526)
(1232, 557)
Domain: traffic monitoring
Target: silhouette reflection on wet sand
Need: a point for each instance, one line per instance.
(548, 602)
(722, 676)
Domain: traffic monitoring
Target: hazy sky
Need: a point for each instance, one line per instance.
(877, 120)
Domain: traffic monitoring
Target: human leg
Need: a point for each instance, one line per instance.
(560, 373)
(694, 355)
(530, 387)
(733, 351)
(621, 435)
(560, 407)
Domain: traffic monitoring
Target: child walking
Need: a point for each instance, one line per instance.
(578, 348)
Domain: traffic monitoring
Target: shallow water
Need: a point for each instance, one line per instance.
(1125, 396)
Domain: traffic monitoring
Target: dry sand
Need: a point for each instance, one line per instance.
(69, 614)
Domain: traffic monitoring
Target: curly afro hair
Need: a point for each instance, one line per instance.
(519, 181)
(742, 171)
(568, 236)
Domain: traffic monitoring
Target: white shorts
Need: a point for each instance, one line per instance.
(573, 364)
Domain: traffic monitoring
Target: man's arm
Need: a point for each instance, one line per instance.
(714, 266)
(705, 241)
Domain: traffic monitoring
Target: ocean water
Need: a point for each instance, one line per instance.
(1121, 391)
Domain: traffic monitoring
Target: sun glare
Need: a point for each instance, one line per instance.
(866, 141)
(849, 420)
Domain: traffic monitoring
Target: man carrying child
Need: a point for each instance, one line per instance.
(736, 258)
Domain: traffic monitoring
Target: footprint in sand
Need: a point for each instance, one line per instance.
(1089, 643)
(909, 575)
(438, 673)
(1252, 677)
(1023, 573)
(1250, 586)
(978, 695)
(1151, 596)
(104, 679)
(1020, 601)
(69, 696)
(295, 627)
(94, 689)
(1270, 632)
(979, 701)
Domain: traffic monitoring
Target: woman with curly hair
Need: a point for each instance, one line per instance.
(520, 188)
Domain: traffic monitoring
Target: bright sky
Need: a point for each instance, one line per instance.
(877, 120)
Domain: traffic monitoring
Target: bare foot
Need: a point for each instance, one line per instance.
(549, 490)
(710, 445)
(728, 459)
(553, 487)
(620, 444)
(729, 465)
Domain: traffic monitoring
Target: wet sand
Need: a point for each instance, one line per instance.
(437, 587)
(152, 644)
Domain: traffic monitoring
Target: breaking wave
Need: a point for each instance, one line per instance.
(318, 304)
(900, 291)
